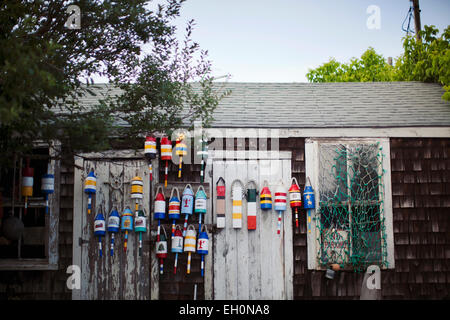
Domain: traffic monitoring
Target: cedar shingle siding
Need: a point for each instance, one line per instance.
(421, 216)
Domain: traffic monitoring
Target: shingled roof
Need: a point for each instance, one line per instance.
(320, 105)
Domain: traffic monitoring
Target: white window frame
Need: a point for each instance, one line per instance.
(51, 235)
(312, 171)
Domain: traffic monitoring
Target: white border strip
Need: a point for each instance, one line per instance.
(404, 132)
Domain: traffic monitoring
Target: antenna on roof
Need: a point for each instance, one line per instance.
(414, 11)
(408, 17)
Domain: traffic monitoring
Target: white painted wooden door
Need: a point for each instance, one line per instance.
(254, 264)
(126, 275)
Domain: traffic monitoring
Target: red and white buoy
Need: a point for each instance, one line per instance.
(161, 250)
(220, 203)
(27, 183)
(160, 211)
(295, 198)
(166, 155)
(251, 194)
(280, 204)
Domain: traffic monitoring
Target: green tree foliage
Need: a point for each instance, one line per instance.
(427, 60)
(370, 67)
(45, 68)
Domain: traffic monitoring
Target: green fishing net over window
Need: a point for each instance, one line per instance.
(350, 214)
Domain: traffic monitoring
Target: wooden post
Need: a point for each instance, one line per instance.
(417, 18)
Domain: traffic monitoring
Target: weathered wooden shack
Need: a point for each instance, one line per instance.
(376, 154)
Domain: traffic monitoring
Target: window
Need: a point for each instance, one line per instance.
(352, 220)
(29, 241)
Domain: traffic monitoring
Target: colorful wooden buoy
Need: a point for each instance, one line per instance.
(150, 148)
(174, 208)
(309, 202)
(99, 229)
(177, 246)
(189, 245)
(251, 195)
(113, 227)
(90, 188)
(237, 193)
(308, 196)
(180, 150)
(47, 187)
(166, 155)
(137, 192)
(140, 226)
(150, 154)
(161, 250)
(295, 198)
(280, 204)
(187, 205)
(200, 205)
(203, 153)
(202, 247)
(126, 225)
(27, 183)
(160, 210)
(160, 205)
(220, 203)
(265, 197)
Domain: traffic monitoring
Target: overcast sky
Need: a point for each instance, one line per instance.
(278, 40)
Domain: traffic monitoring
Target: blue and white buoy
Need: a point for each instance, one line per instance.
(202, 248)
(99, 229)
(113, 227)
(47, 187)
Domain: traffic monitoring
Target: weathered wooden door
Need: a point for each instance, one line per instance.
(254, 264)
(125, 275)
